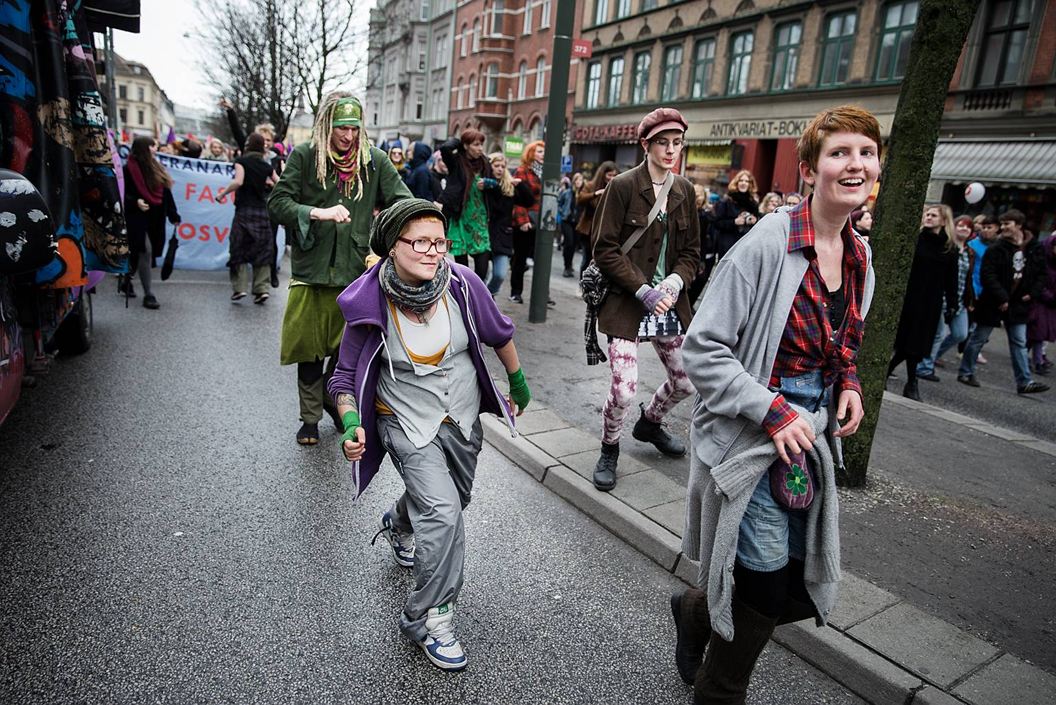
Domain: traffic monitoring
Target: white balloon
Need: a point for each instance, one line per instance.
(974, 192)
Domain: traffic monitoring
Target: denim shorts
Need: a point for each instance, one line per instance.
(769, 534)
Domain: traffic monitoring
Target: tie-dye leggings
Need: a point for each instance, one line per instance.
(623, 362)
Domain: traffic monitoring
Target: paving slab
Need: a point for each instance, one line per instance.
(1009, 681)
(566, 441)
(583, 463)
(539, 421)
(1002, 433)
(949, 415)
(930, 695)
(868, 674)
(671, 516)
(859, 600)
(520, 450)
(648, 489)
(929, 647)
(647, 536)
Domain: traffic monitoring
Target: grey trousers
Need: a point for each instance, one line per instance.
(439, 482)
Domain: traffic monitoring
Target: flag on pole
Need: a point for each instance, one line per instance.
(172, 136)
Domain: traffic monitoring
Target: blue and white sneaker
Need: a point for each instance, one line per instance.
(402, 545)
(440, 644)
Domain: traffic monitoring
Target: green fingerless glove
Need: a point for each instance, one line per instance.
(519, 391)
(351, 422)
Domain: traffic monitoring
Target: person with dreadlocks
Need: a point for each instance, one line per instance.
(411, 381)
(325, 199)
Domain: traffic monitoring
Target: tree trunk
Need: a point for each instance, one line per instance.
(942, 27)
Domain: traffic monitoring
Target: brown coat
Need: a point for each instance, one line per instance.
(588, 204)
(624, 207)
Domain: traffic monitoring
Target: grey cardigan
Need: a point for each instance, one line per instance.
(728, 353)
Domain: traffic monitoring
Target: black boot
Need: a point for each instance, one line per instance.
(605, 470)
(723, 679)
(692, 631)
(910, 391)
(652, 432)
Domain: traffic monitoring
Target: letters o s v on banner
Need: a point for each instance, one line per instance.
(206, 224)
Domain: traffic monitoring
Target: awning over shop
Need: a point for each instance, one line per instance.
(1019, 162)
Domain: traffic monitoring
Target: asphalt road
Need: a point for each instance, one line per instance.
(164, 540)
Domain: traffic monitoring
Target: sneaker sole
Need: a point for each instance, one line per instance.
(442, 665)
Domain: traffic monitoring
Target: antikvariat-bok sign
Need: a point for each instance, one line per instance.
(206, 219)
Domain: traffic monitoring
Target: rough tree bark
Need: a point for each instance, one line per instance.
(942, 27)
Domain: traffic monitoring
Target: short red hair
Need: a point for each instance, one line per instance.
(846, 118)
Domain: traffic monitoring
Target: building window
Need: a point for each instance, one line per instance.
(601, 11)
(440, 59)
(123, 112)
(786, 56)
(471, 102)
(465, 39)
(740, 63)
(900, 18)
(1005, 44)
(522, 81)
(544, 20)
(649, 5)
(491, 81)
(139, 115)
(418, 109)
(122, 92)
(593, 84)
(703, 65)
(640, 88)
(458, 95)
(540, 77)
(498, 14)
(837, 47)
(424, 14)
(672, 72)
(476, 35)
(527, 27)
(139, 93)
(421, 61)
(623, 8)
(615, 80)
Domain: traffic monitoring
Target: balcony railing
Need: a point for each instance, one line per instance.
(988, 99)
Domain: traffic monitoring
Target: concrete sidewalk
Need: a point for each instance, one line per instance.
(877, 644)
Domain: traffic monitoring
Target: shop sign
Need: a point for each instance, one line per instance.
(605, 133)
(514, 147)
(739, 129)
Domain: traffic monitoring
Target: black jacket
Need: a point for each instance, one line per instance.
(932, 277)
(725, 231)
(1001, 285)
(500, 219)
(147, 224)
(418, 178)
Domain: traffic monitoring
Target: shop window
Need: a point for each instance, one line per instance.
(615, 81)
(640, 88)
(498, 13)
(740, 63)
(672, 72)
(540, 77)
(786, 56)
(837, 48)
(703, 66)
(601, 11)
(522, 81)
(900, 19)
(593, 84)
(1004, 46)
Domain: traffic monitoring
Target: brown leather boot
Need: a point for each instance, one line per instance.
(692, 629)
(728, 666)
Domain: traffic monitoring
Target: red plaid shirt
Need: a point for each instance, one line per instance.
(809, 342)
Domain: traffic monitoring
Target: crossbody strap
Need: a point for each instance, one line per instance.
(626, 247)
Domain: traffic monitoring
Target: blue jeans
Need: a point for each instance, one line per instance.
(945, 338)
(1017, 348)
(500, 264)
(769, 534)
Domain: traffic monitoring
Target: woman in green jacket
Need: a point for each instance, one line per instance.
(325, 199)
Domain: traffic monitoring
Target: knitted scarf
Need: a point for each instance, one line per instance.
(347, 167)
(537, 167)
(414, 298)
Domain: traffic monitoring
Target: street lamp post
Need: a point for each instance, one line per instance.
(555, 130)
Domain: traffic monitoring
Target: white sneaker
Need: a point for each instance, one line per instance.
(440, 644)
(402, 545)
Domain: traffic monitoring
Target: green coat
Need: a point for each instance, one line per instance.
(325, 253)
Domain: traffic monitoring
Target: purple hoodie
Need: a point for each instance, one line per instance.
(366, 313)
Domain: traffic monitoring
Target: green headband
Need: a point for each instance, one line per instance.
(348, 112)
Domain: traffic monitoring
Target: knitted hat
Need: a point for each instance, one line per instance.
(390, 222)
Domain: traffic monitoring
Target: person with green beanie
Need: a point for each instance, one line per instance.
(411, 382)
(325, 199)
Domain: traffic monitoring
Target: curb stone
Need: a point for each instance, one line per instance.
(874, 676)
